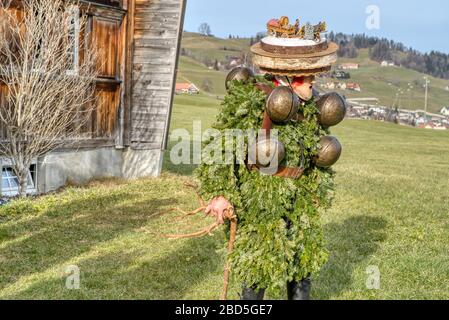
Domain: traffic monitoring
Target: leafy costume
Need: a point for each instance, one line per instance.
(279, 236)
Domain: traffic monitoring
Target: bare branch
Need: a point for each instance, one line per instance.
(49, 92)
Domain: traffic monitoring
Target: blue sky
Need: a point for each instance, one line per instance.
(423, 25)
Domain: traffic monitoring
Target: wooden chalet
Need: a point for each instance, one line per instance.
(138, 43)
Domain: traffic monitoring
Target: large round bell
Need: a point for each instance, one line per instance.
(243, 74)
(282, 104)
(332, 107)
(266, 152)
(329, 153)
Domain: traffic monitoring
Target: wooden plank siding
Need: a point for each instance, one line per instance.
(105, 39)
(157, 28)
(138, 44)
(103, 32)
(106, 28)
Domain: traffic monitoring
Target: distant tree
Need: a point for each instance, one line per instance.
(381, 51)
(347, 50)
(207, 85)
(208, 62)
(260, 35)
(433, 63)
(204, 29)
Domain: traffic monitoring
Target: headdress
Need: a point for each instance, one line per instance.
(292, 50)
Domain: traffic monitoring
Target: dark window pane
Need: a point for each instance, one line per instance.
(30, 181)
(14, 182)
(7, 172)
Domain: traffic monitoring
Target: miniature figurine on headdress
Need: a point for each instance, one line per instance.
(282, 28)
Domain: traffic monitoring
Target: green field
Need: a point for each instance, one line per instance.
(390, 211)
(213, 48)
(384, 82)
(192, 71)
(375, 81)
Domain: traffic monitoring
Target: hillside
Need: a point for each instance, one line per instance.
(385, 82)
(375, 81)
(190, 70)
(203, 47)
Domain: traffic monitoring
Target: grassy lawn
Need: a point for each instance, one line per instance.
(106, 229)
(390, 211)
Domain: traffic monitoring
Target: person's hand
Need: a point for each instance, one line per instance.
(217, 207)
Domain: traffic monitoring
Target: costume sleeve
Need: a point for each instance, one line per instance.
(219, 180)
(218, 175)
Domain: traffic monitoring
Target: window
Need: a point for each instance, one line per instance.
(73, 51)
(10, 183)
(73, 48)
(105, 36)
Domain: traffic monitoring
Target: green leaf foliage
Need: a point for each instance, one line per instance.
(279, 236)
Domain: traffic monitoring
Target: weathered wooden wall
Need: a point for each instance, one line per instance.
(105, 31)
(157, 30)
(105, 28)
(137, 43)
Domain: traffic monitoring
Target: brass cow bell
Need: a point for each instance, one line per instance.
(332, 107)
(329, 152)
(266, 152)
(282, 104)
(239, 74)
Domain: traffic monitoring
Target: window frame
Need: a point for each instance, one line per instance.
(13, 191)
(74, 26)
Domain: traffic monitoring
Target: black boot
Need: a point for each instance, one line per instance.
(252, 293)
(299, 290)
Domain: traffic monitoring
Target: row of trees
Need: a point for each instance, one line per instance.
(380, 49)
(433, 63)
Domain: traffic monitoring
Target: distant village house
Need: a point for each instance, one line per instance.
(348, 66)
(187, 88)
(341, 75)
(234, 62)
(342, 86)
(386, 63)
(328, 85)
(353, 86)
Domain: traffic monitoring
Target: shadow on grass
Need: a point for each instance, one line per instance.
(180, 169)
(118, 276)
(350, 243)
(68, 230)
